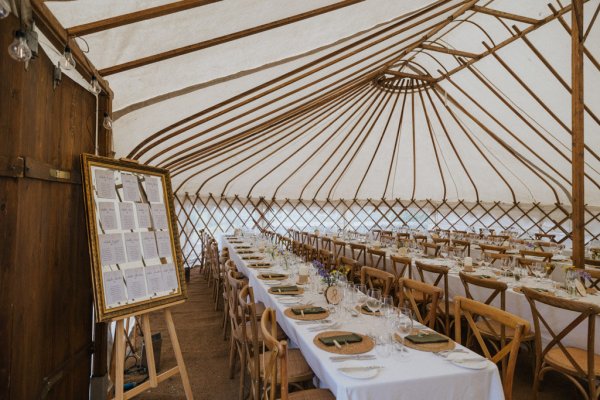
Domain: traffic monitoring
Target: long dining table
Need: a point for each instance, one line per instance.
(406, 374)
(516, 303)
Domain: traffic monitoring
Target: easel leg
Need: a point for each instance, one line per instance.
(119, 359)
(175, 342)
(149, 350)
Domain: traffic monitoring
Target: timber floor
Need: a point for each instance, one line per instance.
(206, 356)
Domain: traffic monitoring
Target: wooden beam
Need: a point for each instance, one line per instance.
(577, 127)
(449, 51)
(55, 32)
(137, 16)
(506, 15)
(224, 39)
(407, 75)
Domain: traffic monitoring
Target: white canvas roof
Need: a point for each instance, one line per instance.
(487, 125)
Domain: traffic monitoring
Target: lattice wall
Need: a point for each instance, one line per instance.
(220, 215)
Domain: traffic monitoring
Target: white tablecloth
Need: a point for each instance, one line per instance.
(420, 375)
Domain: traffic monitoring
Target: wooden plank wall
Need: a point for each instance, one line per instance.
(45, 288)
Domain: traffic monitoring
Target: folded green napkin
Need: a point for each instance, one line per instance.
(283, 289)
(272, 275)
(260, 265)
(430, 338)
(367, 309)
(309, 310)
(341, 339)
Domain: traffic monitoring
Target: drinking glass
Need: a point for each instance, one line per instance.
(405, 321)
(384, 343)
(538, 270)
(387, 306)
(361, 294)
(374, 300)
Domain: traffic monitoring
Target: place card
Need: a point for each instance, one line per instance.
(108, 215)
(143, 215)
(163, 242)
(159, 216)
(169, 276)
(149, 245)
(154, 279)
(111, 249)
(126, 214)
(131, 189)
(132, 246)
(136, 283)
(114, 288)
(152, 189)
(105, 184)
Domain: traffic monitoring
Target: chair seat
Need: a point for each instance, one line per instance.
(556, 358)
(495, 331)
(312, 394)
(298, 368)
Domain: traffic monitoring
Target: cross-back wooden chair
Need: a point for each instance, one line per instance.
(439, 277)
(281, 365)
(441, 241)
(251, 347)
(490, 248)
(216, 274)
(376, 234)
(497, 258)
(309, 253)
(377, 279)
(304, 237)
(420, 238)
(491, 329)
(237, 340)
(352, 266)
(594, 282)
(509, 351)
(327, 244)
(416, 295)
(359, 252)
(313, 240)
(377, 259)
(339, 248)
(403, 236)
(463, 245)
(592, 263)
(536, 255)
(574, 363)
(326, 258)
(229, 266)
(545, 236)
(431, 249)
(498, 238)
(400, 265)
(297, 248)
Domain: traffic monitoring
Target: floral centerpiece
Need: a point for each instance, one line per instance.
(332, 276)
(575, 280)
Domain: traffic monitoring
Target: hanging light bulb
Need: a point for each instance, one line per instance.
(107, 122)
(67, 62)
(95, 86)
(4, 9)
(18, 49)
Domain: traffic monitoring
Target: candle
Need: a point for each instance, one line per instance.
(468, 264)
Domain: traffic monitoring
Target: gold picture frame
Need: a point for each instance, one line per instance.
(114, 289)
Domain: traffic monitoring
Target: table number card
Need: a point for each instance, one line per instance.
(134, 245)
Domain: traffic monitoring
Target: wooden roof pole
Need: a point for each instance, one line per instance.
(137, 16)
(506, 15)
(387, 182)
(578, 195)
(138, 150)
(115, 69)
(414, 140)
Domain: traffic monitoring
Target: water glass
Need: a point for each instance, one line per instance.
(385, 344)
(361, 294)
(374, 300)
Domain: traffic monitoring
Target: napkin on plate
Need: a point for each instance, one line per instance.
(424, 339)
(309, 310)
(283, 289)
(341, 339)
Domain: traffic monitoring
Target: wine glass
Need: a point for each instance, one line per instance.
(387, 306)
(538, 270)
(361, 294)
(374, 300)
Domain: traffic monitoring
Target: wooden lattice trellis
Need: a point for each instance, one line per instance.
(221, 214)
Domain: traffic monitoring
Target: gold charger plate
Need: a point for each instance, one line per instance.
(365, 346)
(288, 293)
(428, 347)
(307, 317)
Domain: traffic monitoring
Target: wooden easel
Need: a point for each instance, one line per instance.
(153, 378)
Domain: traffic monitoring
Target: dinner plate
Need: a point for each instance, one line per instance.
(360, 372)
(469, 361)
